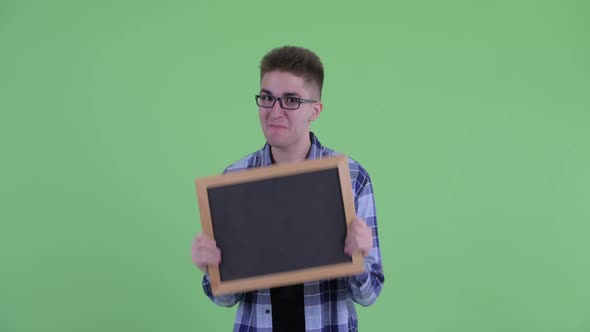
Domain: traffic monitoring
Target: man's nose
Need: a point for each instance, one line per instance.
(277, 109)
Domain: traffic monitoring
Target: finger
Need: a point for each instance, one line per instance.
(209, 258)
(205, 243)
(347, 250)
(203, 239)
(205, 256)
(207, 247)
(199, 251)
(206, 260)
(349, 240)
(347, 246)
(208, 252)
(350, 247)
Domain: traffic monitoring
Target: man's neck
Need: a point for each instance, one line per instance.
(292, 154)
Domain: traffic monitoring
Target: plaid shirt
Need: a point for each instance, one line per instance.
(328, 303)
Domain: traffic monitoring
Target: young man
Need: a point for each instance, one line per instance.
(289, 101)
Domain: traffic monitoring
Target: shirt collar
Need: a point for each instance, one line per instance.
(315, 151)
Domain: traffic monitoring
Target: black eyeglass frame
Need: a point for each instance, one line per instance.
(300, 100)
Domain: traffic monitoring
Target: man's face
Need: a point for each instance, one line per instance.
(287, 128)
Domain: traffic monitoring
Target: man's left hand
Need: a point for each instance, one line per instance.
(359, 238)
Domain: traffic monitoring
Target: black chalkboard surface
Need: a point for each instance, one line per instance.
(279, 225)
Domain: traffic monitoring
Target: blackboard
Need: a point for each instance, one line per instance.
(279, 225)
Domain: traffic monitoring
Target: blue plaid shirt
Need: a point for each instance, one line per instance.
(328, 303)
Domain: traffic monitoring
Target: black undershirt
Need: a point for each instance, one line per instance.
(288, 313)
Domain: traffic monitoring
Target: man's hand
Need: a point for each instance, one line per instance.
(205, 252)
(359, 238)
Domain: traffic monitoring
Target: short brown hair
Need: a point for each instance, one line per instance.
(298, 61)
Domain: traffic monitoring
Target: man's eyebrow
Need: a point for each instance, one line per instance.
(286, 94)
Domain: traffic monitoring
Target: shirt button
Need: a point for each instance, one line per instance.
(267, 311)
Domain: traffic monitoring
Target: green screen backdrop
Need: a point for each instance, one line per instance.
(472, 118)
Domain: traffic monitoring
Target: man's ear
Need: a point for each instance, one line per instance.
(316, 110)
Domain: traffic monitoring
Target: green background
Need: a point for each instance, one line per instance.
(472, 118)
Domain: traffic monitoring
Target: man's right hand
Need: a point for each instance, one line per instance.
(205, 252)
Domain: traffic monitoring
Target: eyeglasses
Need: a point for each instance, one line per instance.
(287, 102)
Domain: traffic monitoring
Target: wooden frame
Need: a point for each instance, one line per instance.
(276, 171)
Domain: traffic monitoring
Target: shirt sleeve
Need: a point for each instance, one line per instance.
(366, 287)
(226, 300)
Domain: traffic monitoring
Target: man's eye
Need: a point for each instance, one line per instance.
(267, 98)
(291, 100)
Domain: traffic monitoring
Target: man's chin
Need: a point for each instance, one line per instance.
(276, 142)
(276, 138)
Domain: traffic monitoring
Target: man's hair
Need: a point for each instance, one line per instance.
(298, 61)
